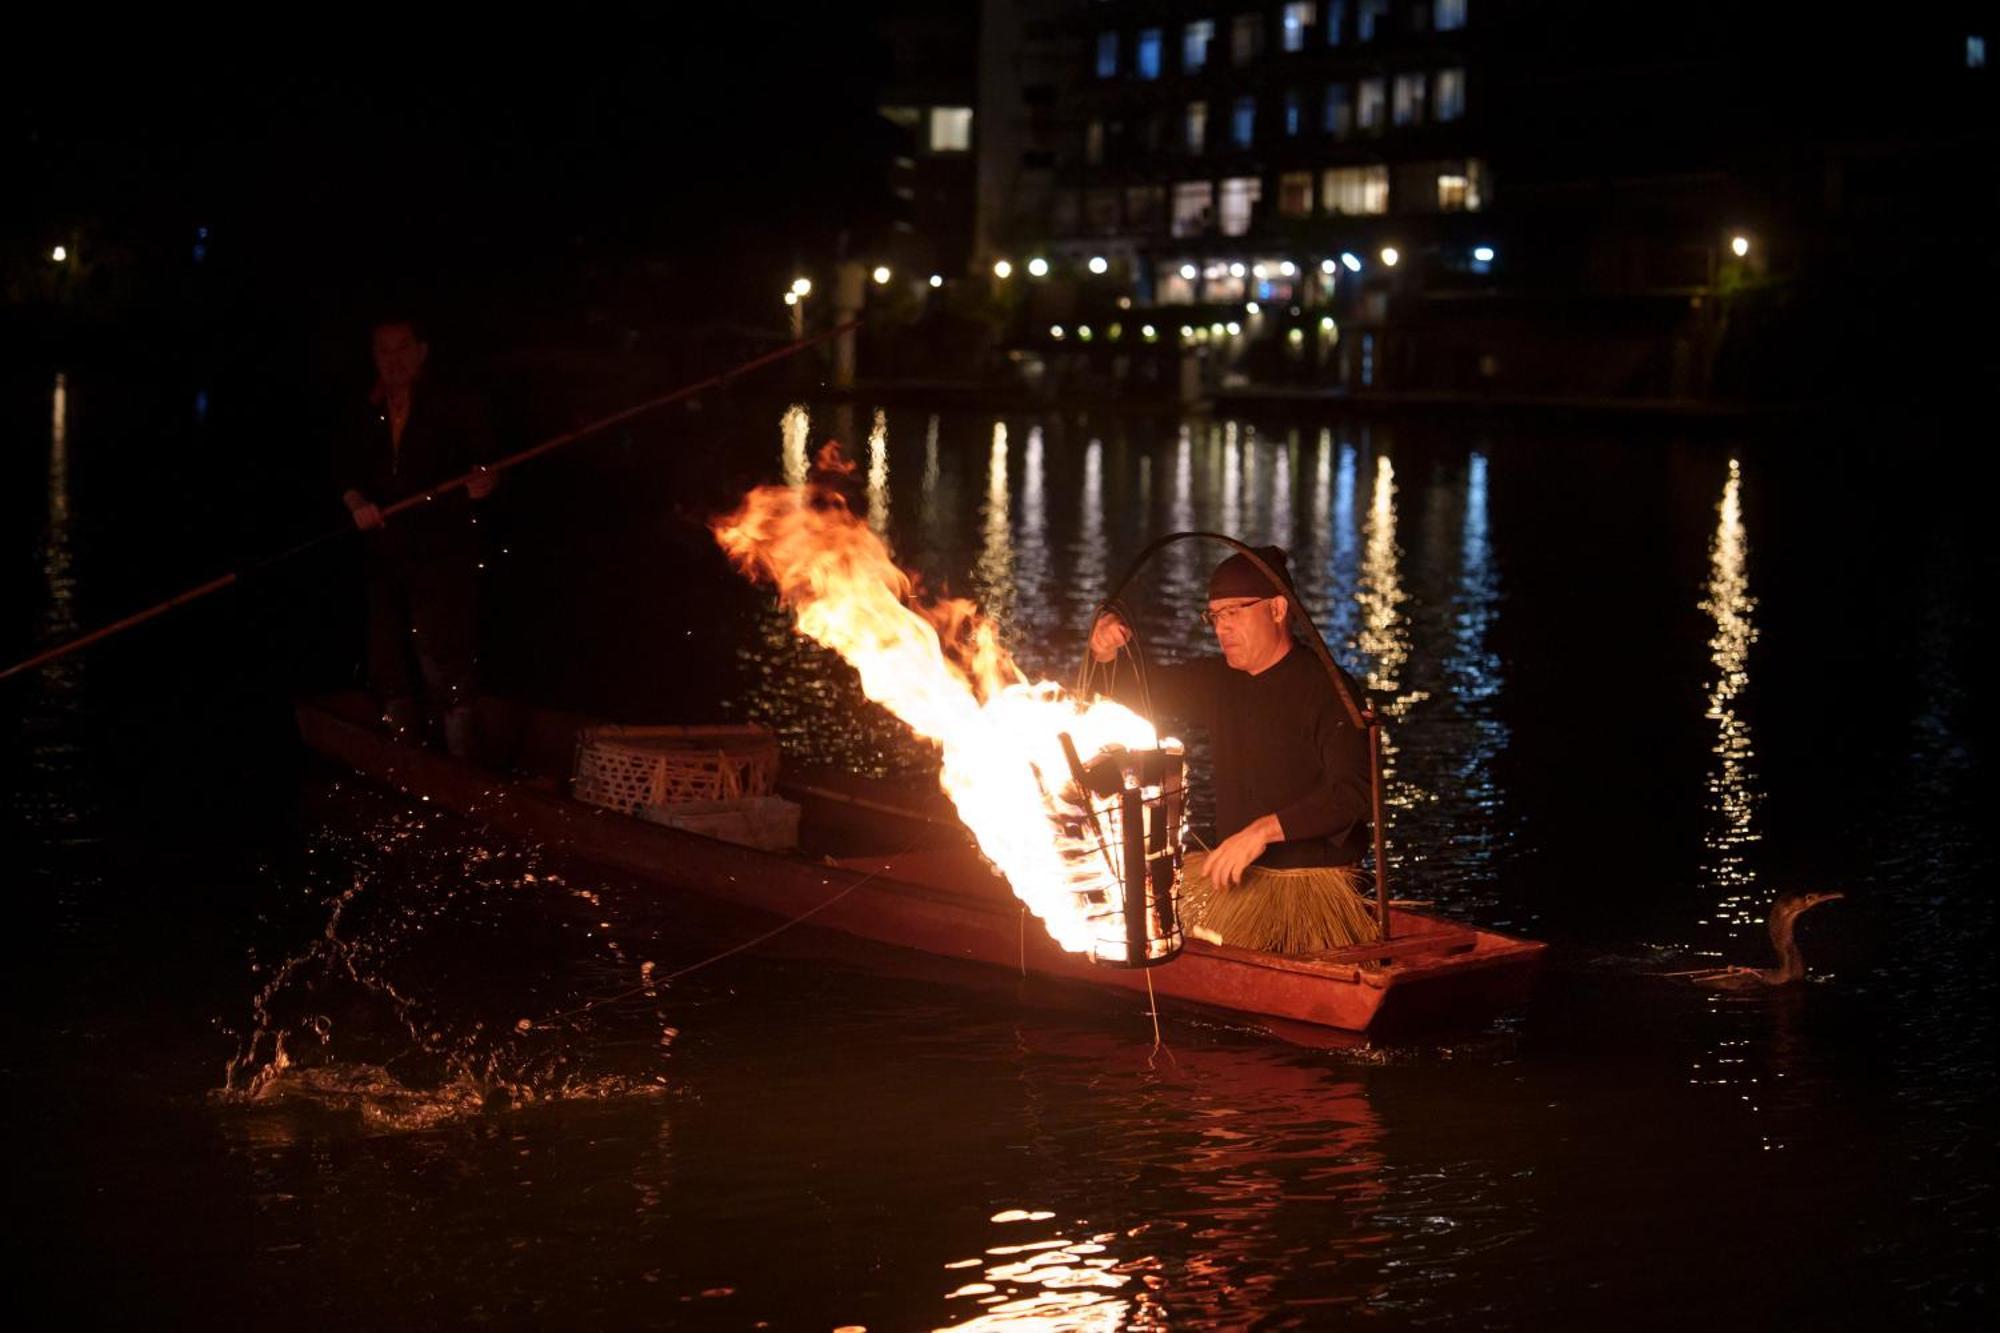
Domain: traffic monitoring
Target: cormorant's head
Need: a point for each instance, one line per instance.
(1794, 903)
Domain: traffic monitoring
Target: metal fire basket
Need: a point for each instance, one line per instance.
(1134, 803)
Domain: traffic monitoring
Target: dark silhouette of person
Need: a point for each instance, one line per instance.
(421, 565)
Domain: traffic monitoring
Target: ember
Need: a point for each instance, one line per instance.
(1005, 742)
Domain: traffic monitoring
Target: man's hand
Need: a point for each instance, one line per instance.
(366, 516)
(480, 483)
(1233, 855)
(1108, 635)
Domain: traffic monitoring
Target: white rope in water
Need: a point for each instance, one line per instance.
(652, 982)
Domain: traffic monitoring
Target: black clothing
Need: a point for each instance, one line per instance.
(445, 436)
(1282, 743)
(422, 565)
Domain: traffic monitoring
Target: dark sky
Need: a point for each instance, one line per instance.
(358, 156)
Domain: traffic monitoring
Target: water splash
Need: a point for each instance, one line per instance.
(405, 1009)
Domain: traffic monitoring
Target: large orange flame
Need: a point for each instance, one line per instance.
(942, 669)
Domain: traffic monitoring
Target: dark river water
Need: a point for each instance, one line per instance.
(284, 1047)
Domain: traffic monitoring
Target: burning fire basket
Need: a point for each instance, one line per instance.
(1129, 818)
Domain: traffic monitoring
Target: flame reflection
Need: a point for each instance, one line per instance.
(1261, 1153)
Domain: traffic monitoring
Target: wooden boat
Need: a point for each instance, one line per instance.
(882, 863)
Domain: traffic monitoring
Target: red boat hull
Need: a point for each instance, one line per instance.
(944, 900)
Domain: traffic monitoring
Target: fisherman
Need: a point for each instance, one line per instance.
(1291, 769)
(422, 564)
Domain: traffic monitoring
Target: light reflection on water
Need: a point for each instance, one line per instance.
(1657, 1134)
(1733, 794)
(878, 474)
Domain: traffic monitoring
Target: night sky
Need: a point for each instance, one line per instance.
(551, 173)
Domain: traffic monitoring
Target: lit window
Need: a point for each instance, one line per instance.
(1194, 44)
(1174, 287)
(1337, 115)
(1297, 18)
(1447, 15)
(903, 117)
(1093, 143)
(1293, 113)
(1239, 198)
(1355, 190)
(1460, 186)
(1448, 94)
(1194, 203)
(1147, 59)
(1975, 52)
(1409, 99)
(1107, 55)
(1243, 121)
(1371, 106)
(1295, 194)
(1336, 19)
(951, 129)
(1369, 19)
(1367, 360)
(1197, 127)
(1246, 38)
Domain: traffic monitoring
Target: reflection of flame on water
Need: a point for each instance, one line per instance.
(1054, 1284)
(942, 669)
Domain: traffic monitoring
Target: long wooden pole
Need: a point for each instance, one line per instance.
(222, 581)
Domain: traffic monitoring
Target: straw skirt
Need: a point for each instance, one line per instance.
(1307, 910)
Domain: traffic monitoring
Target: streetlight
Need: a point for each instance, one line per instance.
(1390, 255)
(1351, 260)
(1056, 332)
(1099, 264)
(60, 254)
(1288, 268)
(1038, 267)
(1252, 308)
(1739, 245)
(1326, 266)
(1483, 253)
(1188, 271)
(881, 275)
(802, 286)
(1002, 269)
(937, 279)
(1236, 270)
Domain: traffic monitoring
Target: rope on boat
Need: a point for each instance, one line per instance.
(222, 581)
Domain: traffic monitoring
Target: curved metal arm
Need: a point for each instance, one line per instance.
(1356, 713)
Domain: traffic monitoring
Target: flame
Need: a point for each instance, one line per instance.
(941, 668)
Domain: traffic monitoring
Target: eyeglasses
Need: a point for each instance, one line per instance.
(1211, 616)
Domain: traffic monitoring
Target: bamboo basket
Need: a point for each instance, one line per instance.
(629, 768)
